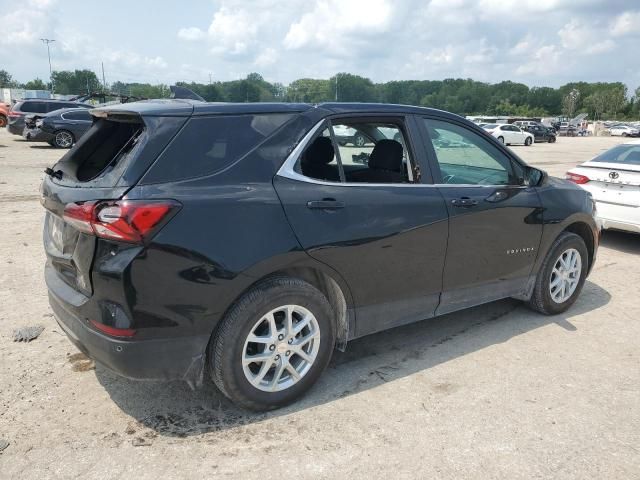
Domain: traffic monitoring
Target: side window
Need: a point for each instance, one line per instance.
(34, 107)
(78, 115)
(207, 145)
(372, 152)
(467, 158)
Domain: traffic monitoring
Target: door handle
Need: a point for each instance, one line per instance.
(464, 202)
(325, 204)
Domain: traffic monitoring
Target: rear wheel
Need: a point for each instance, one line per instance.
(501, 140)
(3, 121)
(273, 344)
(359, 140)
(561, 276)
(63, 139)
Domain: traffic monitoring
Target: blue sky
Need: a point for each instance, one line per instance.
(538, 42)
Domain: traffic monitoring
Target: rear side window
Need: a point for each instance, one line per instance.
(78, 115)
(207, 145)
(34, 107)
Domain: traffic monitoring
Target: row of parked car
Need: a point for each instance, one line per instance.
(521, 132)
(60, 123)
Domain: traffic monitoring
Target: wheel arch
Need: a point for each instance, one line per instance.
(585, 232)
(330, 284)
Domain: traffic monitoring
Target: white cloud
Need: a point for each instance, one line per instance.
(542, 62)
(334, 25)
(626, 23)
(267, 57)
(191, 34)
(584, 38)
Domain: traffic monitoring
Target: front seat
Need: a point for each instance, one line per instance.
(385, 164)
(316, 159)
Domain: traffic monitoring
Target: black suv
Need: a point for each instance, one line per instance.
(40, 106)
(542, 133)
(243, 241)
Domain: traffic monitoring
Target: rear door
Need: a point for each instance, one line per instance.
(385, 235)
(494, 219)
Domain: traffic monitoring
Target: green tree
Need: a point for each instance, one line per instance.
(35, 84)
(75, 82)
(6, 80)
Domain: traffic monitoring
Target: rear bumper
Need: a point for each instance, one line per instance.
(37, 135)
(618, 217)
(180, 358)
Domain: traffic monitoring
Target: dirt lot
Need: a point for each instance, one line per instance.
(492, 392)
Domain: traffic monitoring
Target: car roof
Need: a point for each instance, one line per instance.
(174, 107)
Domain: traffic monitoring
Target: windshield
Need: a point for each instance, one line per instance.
(626, 154)
(490, 126)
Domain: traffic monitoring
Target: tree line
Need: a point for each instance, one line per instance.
(601, 100)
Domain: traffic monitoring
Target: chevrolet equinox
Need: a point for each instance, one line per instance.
(244, 242)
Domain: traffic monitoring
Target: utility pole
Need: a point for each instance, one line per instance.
(209, 79)
(47, 41)
(336, 87)
(104, 82)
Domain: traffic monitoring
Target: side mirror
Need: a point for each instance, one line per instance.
(536, 177)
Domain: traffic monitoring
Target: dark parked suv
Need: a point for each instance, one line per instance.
(243, 241)
(39, 106)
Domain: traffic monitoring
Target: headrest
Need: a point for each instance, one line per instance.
(386, 155)
(320, 152)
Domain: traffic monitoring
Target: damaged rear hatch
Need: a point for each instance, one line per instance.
(110, 158)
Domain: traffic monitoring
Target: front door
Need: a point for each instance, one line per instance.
(494, 219)
(362, 211)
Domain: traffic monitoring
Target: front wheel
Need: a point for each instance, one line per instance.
(273, 344)
(561, 276)
(63, 139)
(527, 141)
(552, 139)
(359, 140)
(3, 121)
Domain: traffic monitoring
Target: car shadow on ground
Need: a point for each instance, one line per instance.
(40, 147)
(173, 409)
(621, 241)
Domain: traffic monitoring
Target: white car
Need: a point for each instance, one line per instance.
(613, 178)
(624, 131)
(509, 134)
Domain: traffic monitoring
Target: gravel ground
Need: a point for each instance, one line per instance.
(493, 392)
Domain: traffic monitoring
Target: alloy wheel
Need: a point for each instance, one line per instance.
(281, 348)
(565, 275)
(64, 139)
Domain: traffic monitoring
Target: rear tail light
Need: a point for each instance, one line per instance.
(577, 178)
(113, 331)
(132, 221)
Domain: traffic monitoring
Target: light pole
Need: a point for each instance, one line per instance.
(47, 41)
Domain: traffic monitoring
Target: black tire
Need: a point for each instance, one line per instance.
(226, 345)
(501, 140)
(3, 121)
(552, 139)
(624, 134)
(359, 140)
(541, 300)
(527, 142)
